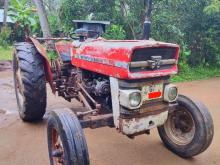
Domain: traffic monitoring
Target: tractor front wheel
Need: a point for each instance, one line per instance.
(188, 130)
(66, 140)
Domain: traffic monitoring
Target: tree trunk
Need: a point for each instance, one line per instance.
(148, 10)
(5, 13)
(43, 18)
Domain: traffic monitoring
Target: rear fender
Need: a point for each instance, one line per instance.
(42, 51)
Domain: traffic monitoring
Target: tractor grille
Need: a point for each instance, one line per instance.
(146, 55)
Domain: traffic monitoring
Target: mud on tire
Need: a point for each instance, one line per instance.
(66, 140)
(188, 137)
(29, 81)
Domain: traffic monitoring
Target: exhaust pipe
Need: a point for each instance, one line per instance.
(147, 23)
(147, 30)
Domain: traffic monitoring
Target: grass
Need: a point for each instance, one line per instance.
(198, 73)
(6, 54)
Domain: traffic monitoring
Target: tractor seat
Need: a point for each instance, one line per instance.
(85, 33)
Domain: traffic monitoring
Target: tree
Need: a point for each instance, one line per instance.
(5, 13)
(148, 4)
(193, 24)
(2, 3)
(43, 18)
(25, 19)
(213, 7)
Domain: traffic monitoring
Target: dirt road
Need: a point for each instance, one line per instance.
(25, 144)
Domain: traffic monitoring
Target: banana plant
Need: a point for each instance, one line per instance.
(22, 13)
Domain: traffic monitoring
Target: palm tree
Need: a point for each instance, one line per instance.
(1, 3)
(43, 18)
(148, 10)
(5, 13)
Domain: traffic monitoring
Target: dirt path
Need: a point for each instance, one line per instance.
(25, 144)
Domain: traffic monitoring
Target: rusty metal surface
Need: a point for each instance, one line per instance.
(150, 62)
(97, 121)
(148, 110)
(112, 58)
(42, 51)
(5, 65)
(63, 47)
(55, 39)
(136, 125)
(105, 61)
(152, 105)
(142, 82)
(84, 101)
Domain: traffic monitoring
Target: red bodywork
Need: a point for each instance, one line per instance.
(42, 51)
(112, 57)
(107, 57)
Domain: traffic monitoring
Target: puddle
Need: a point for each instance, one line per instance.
(5, 65)
(7, 112)
(7, 85)
(2, 112)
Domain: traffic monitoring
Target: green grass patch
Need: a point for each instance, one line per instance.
(198, 73)
(52, 55)
(6, 53)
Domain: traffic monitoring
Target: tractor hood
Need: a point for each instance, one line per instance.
(129, 59)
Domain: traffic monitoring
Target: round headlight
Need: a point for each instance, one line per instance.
(135, 99)
(170, 93)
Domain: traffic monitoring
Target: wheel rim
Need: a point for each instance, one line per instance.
(57, 148)
(19, 85)
(180, 126)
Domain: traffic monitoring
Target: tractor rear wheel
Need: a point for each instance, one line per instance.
(29, 82)
(66, 140)
(188, 130)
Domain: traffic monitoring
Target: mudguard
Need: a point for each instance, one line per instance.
(42, 51)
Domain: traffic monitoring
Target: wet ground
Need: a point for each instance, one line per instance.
(25, 144)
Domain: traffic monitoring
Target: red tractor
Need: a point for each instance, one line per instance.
(121, 84)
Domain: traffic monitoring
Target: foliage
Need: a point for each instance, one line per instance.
(52, 55)
(23, 15)
(115, 32)
(85, 9)
(198, 73)
(193, 24)
(127, 13)
(6, 53)
(189, 23)
(213, 8)
(5, 36)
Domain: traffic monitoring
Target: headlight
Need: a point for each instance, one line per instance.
(130, 99)
(170, 93)
(135, 99)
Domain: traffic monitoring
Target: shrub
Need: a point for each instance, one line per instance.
(5, 36)
(115, 32)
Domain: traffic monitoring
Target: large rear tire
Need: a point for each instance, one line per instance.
(189, 129)
(29, 82)
(66, 140)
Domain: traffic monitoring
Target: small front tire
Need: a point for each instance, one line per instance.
(66, 140)
(189, 129)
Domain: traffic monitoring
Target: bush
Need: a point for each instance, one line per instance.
(5, 36)
(115, 32)
(187, 73)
